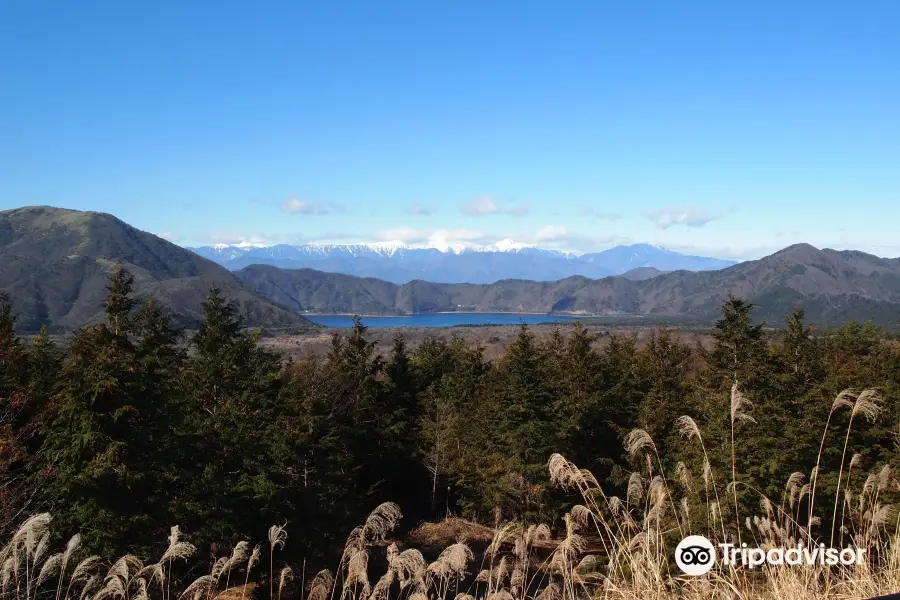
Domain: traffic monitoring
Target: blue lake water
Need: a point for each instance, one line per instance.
(440, 320)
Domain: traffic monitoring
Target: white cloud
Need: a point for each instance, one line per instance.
(419, 209)
(551, 232)
(409, 235)
(253, 239)
(295, 206)
(688, 217)
(406, 235)
(485, 205)
(558, 237)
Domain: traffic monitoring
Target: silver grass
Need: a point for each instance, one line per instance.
(33, 527)
(239, 554)
(92, 582)
(638, 442)
(581, 515)
(124, 567)
(151, 573)
(41, 549)
(219, 567)
(83, 569)
(321, 585)
(113, 588)
(635, 488)
(684, 476)
(286, 575)
(50, 567)
(740, 404)
(884, 478)
(277, 536)
(550, 592)
(687, 427)
(178, 551)
(142, 591)
(382, 521)
(200, 586)
(383, 586)
(254, 557)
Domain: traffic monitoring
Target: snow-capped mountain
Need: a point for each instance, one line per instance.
(457, 262)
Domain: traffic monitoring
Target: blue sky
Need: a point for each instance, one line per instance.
(722, 128)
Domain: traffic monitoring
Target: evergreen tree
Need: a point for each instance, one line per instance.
(801, 353)
(458, 441)
(102, 452)
(665, 368)
(44, 362)
(232, 401)
(525, 423)
(310, 465)
(14, 413)
(739, 344)
(119, 302)
(11, 351)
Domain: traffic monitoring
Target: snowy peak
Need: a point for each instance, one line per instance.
(456, 262)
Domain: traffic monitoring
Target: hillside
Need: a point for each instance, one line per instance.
(832, 286)
(54, 263)
(399, 263)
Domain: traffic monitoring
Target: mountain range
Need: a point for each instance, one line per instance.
(832, 286)
(463, 263)
(54, 263)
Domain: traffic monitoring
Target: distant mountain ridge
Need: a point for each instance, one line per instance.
(833, 287)
(462, 263)
(54, 263)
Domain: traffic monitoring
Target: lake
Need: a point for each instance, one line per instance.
(440, 320)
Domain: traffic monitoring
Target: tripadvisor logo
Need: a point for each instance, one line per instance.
(696, 555)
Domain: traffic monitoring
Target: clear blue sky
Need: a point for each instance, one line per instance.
(724, 128)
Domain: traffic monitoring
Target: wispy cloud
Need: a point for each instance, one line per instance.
(235, 237)
(485, 205)
(559, 237)
(295, 206)
(172, 237)
(587, 211)
(687, 217)
(419, 209)
(407, 235)
(417, 236)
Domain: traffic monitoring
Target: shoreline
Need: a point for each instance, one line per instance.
(454, 312)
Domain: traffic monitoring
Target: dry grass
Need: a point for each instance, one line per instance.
(239, 592)
(448, 531)
(633, 558)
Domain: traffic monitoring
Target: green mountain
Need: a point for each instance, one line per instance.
(54, 263)
(832, 286)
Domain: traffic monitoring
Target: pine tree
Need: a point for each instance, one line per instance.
(459, 443)
(102, 450)
(44, 362)
(232, 401)
(801, 352)
(11, 351)
(119, 302)
(14, 416)
(740, 344)
(665, 367)
(526, 422)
